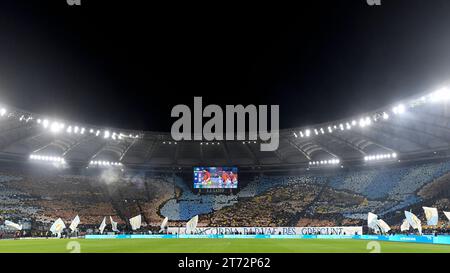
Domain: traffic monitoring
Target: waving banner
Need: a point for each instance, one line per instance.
(405, 225)
(113, 224)
(372, 221)
(191, 225)
(13, 225)
(58, 227)
(136, 222)
(447, 214)
(413, 221)
(102, 225)
(164, 224)
(383, 226)
(432, 216)
(75, 222)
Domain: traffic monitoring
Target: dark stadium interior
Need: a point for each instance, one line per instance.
(86, 94)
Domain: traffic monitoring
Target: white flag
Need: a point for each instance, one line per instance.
(447, 214)
(191, 225)
(164, 224)
(13, 225)
(58, 227)
(102, 225)
(75, 222)
(113, 224)
(136, 222)
(383, 226)
(432, 216)
(372, 221)
(405, 225)
(413, 221)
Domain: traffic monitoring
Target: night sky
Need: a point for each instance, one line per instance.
(123, 64)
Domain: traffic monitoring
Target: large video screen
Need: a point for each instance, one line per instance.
(215, 177)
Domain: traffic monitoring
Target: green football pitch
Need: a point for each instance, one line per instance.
(213, 246)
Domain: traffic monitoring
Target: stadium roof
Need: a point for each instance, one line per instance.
(413, 128)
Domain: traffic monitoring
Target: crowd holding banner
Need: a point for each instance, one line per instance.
(375, 224)
(410, 221)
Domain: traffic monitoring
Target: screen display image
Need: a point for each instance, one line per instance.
(215, 177)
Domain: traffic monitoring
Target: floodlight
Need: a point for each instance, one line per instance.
(45, 123)
(440, 95)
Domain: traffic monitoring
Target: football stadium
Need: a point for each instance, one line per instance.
(383, 175)
(372, 179)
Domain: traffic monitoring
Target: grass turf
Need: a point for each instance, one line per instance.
(213, 246)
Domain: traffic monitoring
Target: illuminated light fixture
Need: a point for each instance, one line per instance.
(76, 129)
(353, 122)
(53, 159)
(307, 132)
(97, 133)
(296, 136)
(368, 121)
(107, 134)
(399, 109)
(347, 125)
(322, 131)
(316, 132)
(362, 123)
(334, 161)
(378, 157)
(301, 134)
(330, 130)
(104, 163)
(2, 112)
(45, 123)
(441, 95)
(91, 131)
(82, 131)
(385, 116)
(69, 129)
(55, 127)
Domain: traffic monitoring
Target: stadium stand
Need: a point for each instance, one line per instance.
(334, 173)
